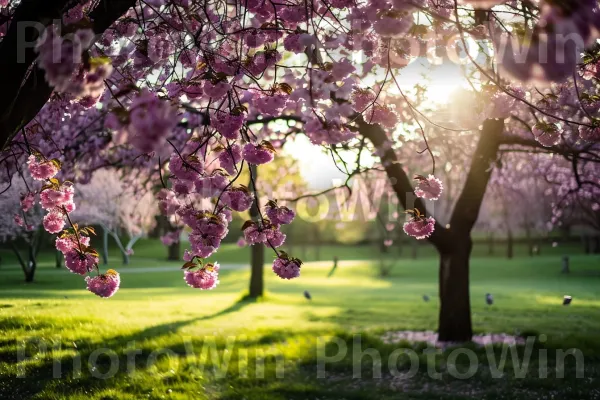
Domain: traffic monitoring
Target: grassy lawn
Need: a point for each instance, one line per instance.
(283, 333)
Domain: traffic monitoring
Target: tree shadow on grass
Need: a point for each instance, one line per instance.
(42, 374)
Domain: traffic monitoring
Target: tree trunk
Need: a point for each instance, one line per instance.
(174, 251)
(529, 242)
(30, 273)
(586, 244)
(455, 306)
(31, 264)
(58, 259)
(509, 245)
(28, 267)
(257, 254)
(257, 263)
(104, 245)
(414, 249)
(596, 244)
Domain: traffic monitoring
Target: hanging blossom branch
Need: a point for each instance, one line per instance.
(73, 242)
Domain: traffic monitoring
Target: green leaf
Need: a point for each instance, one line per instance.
(248, 224)
(188, 265)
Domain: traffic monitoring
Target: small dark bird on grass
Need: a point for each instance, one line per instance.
(307, 295)
(425, 297)
(567, 300)
(489, 299)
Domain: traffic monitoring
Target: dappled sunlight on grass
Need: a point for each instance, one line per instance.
(157, 310)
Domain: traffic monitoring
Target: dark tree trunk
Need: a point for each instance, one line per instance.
(257, 263)
(530, 244)
(32, 263)
(28, 267)
(174, 251)
(30, 272)
(509, 245)
(586, 244)
(257, 253)
(596, 244)
(58, 259)
(455, 310)
(104, 245)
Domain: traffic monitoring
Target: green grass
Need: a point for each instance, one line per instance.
(155, 310)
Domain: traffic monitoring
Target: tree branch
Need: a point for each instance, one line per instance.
(400, 181)
(469, 202)
(24, 88)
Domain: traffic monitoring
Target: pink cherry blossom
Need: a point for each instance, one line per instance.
(420, 227)
(41, 170)
(167, 202)
(292, 43)
(27, 201)
(205, 278)
(590, 134)
(54, 222)
(19, 220)
(257, 154)
(104, 285)
(383, 116)
(151, 121)
(547, 134)
(68, 243)
(186, 167)
(204, 245)
(275, 237)
(429, 188)
(279, 215)
(229, 157)
(239, 199)
(253, 234)
(80, 263)
(212, 185)
(216, 90)
(362, 99)
(52, 198)
(170, 237)
(228, 125)
(286, 268)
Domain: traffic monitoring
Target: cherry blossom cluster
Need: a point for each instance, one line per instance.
(194, 180)
(74, 242)
(60, 56)
(200, 275)
(420, 226)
